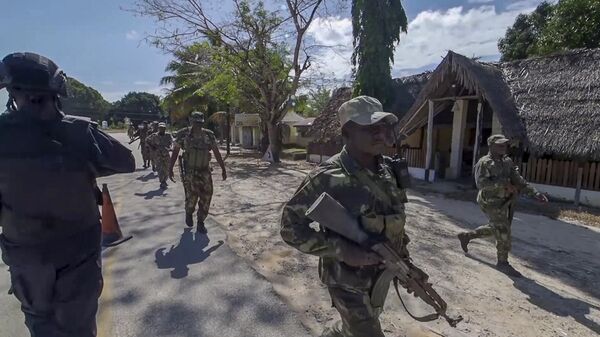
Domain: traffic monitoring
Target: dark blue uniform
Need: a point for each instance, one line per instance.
(50, 220)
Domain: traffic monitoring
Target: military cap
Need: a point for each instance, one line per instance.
(162, 125)
(197, 116)
(497, 139)
(364, 110)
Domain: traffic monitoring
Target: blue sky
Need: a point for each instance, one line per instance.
(102, 45)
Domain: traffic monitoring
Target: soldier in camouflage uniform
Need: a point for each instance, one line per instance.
(360, 178)
(499, 184)
(151, 153)
(197, 143)
(142, 134)
(160, 145)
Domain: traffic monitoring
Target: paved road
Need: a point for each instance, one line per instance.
(168, 280)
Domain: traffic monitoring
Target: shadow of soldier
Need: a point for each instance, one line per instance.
(552, 302)
(189, 250)
(152, 194)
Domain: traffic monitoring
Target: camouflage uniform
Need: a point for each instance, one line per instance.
(160, 146)
(143, 135)
(197, 178)
(151, 153)
(379, 205)
(492, 177)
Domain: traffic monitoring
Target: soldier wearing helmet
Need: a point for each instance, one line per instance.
(196, 143)
(48, 213)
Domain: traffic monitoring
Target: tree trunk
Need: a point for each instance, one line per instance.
(274, 141)
(228, 123)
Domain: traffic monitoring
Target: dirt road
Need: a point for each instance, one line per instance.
(559, 295)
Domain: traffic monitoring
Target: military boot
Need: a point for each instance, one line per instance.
(201, 228)
(189, 220)
(506, 268)
(163, 185)
(464, 241)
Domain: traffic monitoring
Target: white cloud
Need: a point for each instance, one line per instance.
(143, 83)
(527, 5)
(430, 35)
(132, 35)
(479, 1)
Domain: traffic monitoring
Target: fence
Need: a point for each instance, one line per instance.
(561, 173)
(415, 157)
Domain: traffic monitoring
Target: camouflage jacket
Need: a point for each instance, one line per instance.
(493, 176)
(379, 214)
(196, 147)
(160, 143)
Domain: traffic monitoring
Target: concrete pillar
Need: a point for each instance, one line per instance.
(429, 154)
(496, 126)
(459, 124)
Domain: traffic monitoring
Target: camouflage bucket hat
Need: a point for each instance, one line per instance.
(197, 116)
(497, 139)
(364, 110)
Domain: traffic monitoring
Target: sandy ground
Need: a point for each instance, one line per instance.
(559, 295)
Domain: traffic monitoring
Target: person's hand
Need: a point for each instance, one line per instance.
(354, 255)
(224, 173)
(541, 197)
(171, 175)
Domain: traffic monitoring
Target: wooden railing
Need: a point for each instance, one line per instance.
(561, 173)
(415, 157)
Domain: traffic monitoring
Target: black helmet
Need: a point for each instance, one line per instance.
(33, 72)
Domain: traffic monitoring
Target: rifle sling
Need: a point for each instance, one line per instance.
(426, 318)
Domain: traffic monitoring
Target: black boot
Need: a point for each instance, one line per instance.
(506, 268)
(201, 228)
(189, 220)
(464, 241)
(163, 185)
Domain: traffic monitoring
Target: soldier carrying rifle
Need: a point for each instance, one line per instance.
(359, 188)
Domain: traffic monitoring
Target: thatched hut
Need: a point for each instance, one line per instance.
(326, 127)
(549, 106)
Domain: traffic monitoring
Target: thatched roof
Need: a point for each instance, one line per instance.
(558, 99)
(551, 104)
(326, 128)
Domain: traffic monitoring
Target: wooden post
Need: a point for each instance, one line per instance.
(228, 116)
(477, 133)
(429, 156)
(578, 187)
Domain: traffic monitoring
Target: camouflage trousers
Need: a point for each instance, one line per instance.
(162, 165)
(198, 188)
(499, 227)
(145, 152)
(358, 316)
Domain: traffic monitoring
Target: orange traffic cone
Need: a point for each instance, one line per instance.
(111, 233)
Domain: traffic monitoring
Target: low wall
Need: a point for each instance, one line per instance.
(589, 198)
(419, 173)
(317, 158)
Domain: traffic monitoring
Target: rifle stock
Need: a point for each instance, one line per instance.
(332, 215)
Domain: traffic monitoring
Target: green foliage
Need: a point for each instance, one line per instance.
(569, 24)
(137, 106)
(84, 101)
(575, 24)
(312, 104)
(376, 26)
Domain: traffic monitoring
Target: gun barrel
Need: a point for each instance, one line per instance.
(332, 215)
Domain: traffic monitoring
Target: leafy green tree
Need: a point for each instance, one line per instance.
(376, 28)
(575, 24)
(137, 106)
(84, 101)
(521, 40)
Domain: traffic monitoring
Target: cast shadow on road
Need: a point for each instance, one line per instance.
(152, 194)
(550, 301)
(189, 250)
(147, 177)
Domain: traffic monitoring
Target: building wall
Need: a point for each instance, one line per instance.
(414, 140)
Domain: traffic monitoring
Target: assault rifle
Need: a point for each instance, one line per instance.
(332, 215)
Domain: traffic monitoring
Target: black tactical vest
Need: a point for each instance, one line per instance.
(46, 178)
